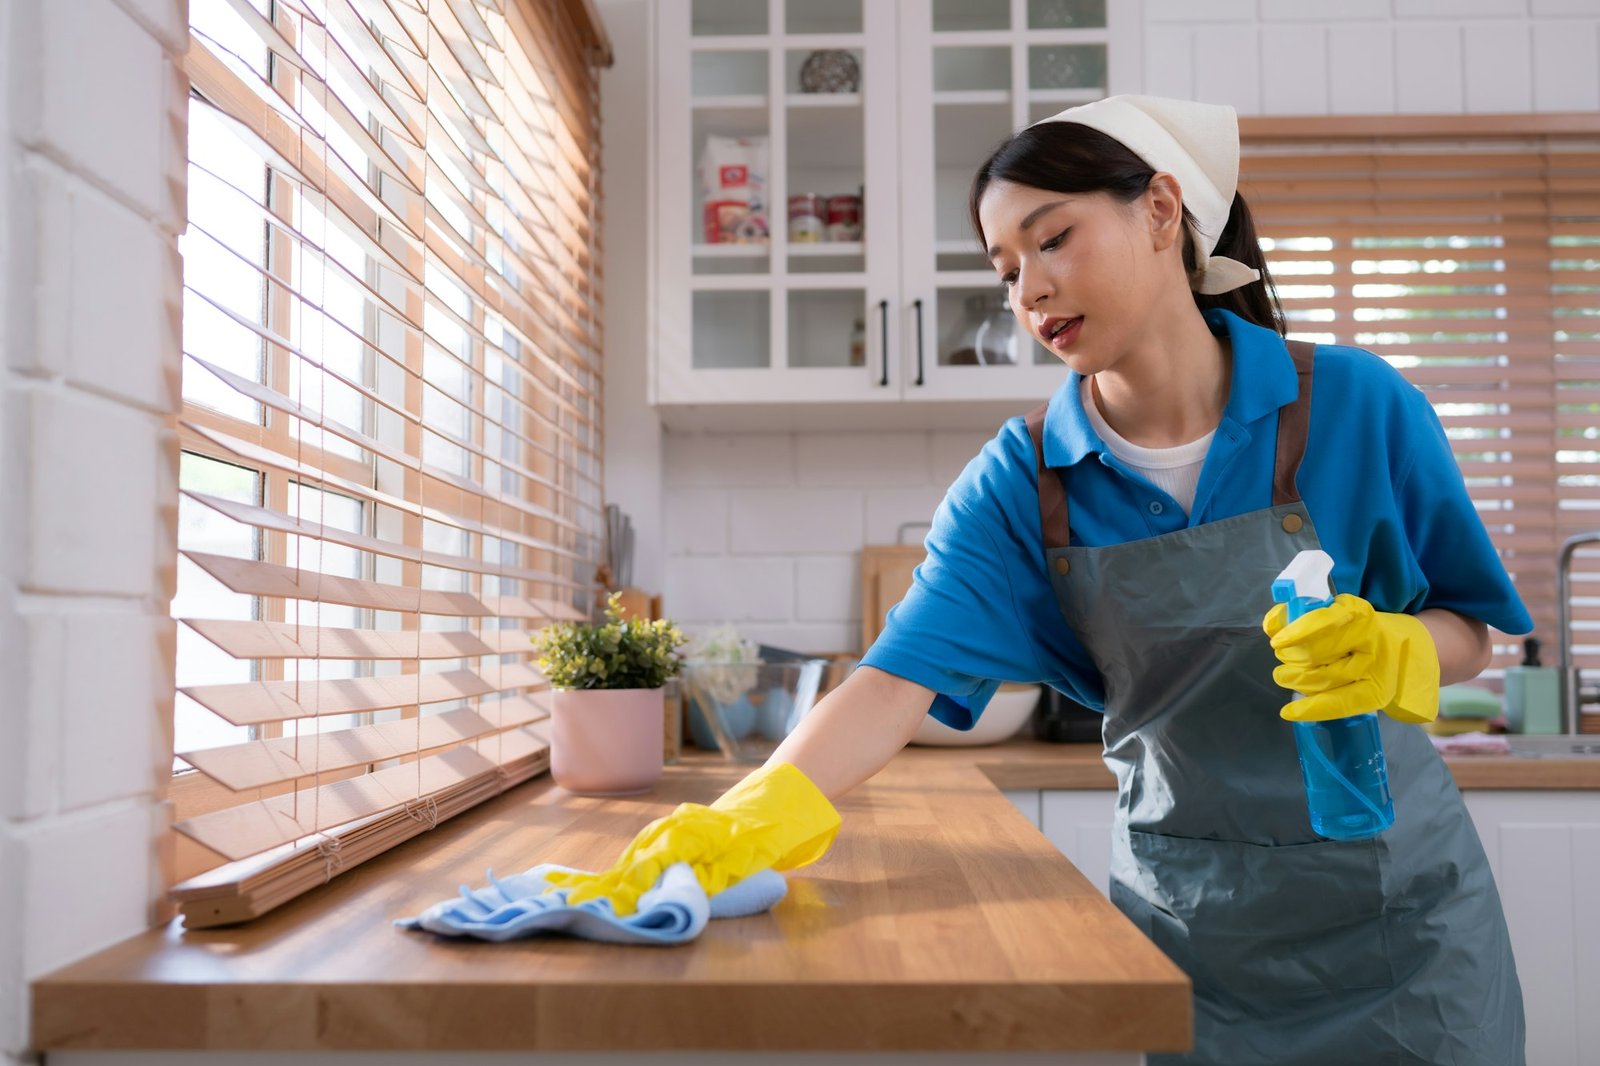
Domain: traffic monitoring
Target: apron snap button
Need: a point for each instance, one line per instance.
(1062, 566)
(1292, 522)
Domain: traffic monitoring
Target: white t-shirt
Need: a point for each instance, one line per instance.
(1175, 471)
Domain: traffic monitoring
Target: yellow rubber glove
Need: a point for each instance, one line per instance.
(1348, 659)
(774, 819)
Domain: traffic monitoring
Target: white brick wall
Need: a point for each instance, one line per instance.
(92, 125)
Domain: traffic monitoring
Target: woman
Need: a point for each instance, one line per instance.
(1120, 544)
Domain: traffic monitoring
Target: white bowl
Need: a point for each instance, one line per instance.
(1007, 712)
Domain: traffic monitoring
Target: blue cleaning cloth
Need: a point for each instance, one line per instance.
(525, 904)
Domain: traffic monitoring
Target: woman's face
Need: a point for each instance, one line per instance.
(1081, 270)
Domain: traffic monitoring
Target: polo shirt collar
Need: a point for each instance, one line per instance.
(1264, 380)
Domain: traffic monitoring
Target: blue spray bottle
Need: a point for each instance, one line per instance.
(1341, 761)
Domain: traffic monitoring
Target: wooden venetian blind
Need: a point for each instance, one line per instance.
(392, 335)
(1473, 265)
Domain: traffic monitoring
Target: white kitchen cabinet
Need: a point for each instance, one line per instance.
(882, 322)
(1544, 848)
(1078, 823)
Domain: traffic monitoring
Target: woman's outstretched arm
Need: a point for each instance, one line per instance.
(855, 730)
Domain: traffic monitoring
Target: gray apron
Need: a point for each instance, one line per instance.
(1302, 951)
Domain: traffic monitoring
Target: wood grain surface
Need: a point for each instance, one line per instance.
(1025, 764)
(940, 919)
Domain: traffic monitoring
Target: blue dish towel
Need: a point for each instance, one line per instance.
(525, 904)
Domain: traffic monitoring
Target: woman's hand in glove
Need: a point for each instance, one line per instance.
(1348, 659)
(775, 818)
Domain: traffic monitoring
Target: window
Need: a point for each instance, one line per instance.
(1472, 264)
(391, 463)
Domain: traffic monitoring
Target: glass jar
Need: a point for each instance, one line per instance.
(988, 333)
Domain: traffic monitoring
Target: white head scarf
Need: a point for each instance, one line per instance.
(1196, 143)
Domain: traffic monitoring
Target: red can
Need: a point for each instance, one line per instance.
(806, 225)
(844, 218)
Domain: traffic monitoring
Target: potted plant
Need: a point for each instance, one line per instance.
(606, 717)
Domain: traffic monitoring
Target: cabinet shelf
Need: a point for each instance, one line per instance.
(823, 100)
(1065, 97)
(760, 251)
(731, 251)
(731, 43)
(768, 283)
(971, 97)
(822, 248)
(997, 38)
(752, 102)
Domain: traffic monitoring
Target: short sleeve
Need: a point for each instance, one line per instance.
(1460, 569)
(957, 630)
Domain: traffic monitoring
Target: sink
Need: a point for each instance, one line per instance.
(1555, 747)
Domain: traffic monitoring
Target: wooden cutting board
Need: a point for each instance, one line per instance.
(885, 578)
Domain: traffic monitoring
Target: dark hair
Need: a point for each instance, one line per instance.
(1072, 158)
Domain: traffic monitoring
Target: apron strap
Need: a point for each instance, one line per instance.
(1294, 423)
(1052, 490)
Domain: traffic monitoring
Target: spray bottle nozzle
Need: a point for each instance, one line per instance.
(1306, 577)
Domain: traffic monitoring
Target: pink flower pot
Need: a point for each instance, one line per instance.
(606, 742)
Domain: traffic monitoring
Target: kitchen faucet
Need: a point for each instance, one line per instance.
(1571, 692)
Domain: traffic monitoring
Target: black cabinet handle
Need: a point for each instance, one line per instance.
(883, 309)
(919, 341)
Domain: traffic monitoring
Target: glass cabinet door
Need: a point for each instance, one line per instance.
(972, 72)
(776, 216)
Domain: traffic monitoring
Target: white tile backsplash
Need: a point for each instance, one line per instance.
(869, 460)
(795, 521)
(949, 452)
(1169, 61)
(716, 460)
(891, 509)
(1294, 68)
(1548, 8)
(696, 521)
(828, 588)
(1361, 69)
(1457, 9)
(1428, 75)
(706, 590)
(1566, 66)
(1199, 10)
(1227, 67)
(782, 561)
(1324, 10)
(1505, 48)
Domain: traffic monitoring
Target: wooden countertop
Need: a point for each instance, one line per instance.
(1026, 764)
(940, 919)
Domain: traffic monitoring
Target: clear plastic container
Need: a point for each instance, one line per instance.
(745, 709)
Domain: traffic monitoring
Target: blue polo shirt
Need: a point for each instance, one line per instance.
(1378, 480)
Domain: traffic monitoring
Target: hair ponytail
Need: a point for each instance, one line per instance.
(1072, 158)
(1256, 302)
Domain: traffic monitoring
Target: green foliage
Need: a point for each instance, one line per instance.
(618, 653)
